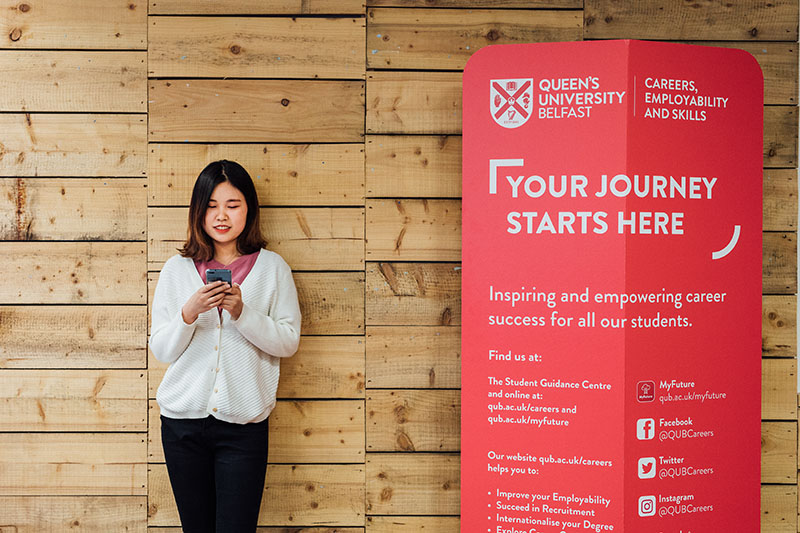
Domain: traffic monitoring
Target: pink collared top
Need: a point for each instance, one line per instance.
(239, 268)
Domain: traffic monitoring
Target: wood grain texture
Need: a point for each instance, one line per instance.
(73, 464)
(780, 136)
(284, 174)
(421, 294)
(444, 39)
(778, 62)
(779, 326)
(323, 367)
(779, 263)
(295, 495)
(299, 432)
(780, 200)
(779, 453)
(80, 209)
(405, 483)
(419, 357)
(273, 110)
(256, 47)
(284, 530)
(73, 145)
(779, 509)
(413, 524)
(414, 102)
(74, 273)
(84, 514)
(779, 389)
(663, 19)
(257, 7)
(318, 238)
(401, 166)
(96, 336)
(82, 24)
(413, 230)
(113, 82)
(413, 420)
(73, 400)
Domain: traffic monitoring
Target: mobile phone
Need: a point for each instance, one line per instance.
(222, 274)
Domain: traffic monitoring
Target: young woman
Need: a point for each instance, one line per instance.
(224, 345)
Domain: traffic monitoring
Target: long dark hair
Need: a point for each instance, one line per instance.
(198, 243)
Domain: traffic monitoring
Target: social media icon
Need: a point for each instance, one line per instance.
(646, 391)
(647, 468)
(645, 429)
(647, 506)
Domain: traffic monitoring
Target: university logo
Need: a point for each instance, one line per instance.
(511, 101)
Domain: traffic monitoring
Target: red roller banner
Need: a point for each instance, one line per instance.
(611, 336)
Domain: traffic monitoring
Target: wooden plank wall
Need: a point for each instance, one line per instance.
(348, 117)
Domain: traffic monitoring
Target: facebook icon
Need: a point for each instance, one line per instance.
(645, 429)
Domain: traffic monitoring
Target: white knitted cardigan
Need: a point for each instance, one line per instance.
(220, 366)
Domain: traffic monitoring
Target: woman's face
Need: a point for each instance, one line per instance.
(226, 213)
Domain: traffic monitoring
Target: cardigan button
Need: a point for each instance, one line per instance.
(214, 409)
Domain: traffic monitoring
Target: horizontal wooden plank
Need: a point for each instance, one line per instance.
(664, 19)
(780, 199)
(79, 209)
(94, 336)
(294, 495)
(317, 238)
(323, 367)
(257, 7)
(779, 452)
(73, 400)
(256, 110)
(778, 62)
(84, 24)
(779, 263)
(779, 389)
(444, 39)
(399, 166)
(73, 464)
(494, 4)
(405, 483)
(413, 420)
(74, 273)
(256, 47)
(113, 82)
(87, 514)
(283, 174)
(332, 303)
(414, 102)
(299, 432)
(419, 357)
(779, 509)
(779, 326)
(413, 230)
(73, 145)
(409, 524)
(780, 136)
(413, 294)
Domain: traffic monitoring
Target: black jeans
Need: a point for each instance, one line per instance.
(217, 472)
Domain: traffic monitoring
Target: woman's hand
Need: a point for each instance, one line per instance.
(207, 297)
(233, 301)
